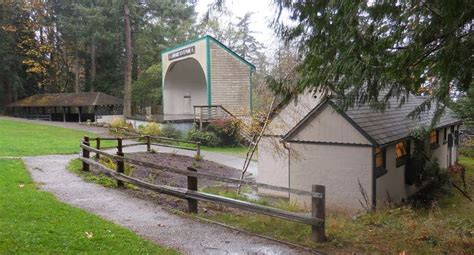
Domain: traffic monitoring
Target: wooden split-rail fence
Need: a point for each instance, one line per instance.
(316, 219)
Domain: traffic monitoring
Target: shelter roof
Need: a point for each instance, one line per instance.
(68, 99)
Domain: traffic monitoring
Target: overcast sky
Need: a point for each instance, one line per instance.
(263, 13)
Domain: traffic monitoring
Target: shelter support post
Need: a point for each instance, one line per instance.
(80, 113)
(95, 113)
(64, 114)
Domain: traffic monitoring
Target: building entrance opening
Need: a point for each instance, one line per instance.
(183, 79)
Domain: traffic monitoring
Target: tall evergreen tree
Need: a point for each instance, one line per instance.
(359, 48)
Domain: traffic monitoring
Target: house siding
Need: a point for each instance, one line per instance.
(230, 81)
(391, 186)
(330, 126)
(339, 160)
(442, 152)
(272, 165)
(339, 168)
(292, 113)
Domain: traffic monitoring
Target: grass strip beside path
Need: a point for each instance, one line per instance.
(34, 221)
(27, 139)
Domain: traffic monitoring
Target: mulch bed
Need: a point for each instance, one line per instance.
(179, 162)
(165, 178)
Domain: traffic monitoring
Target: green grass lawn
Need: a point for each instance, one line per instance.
(33, 221)
(28, 139)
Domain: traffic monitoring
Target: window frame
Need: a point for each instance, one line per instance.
(384, 159)
(435, 144)
(400, 161)
(380, 170)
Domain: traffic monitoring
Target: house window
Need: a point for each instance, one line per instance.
(380, 158)
(401, 153)
(434, 139)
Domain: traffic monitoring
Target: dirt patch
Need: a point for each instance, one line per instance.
(179, 162)
(175, 180)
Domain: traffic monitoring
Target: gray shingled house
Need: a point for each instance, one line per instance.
(309, 141)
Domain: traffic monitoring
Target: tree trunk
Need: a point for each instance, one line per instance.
(127, 94)
(135, 55)
(77, 88)
(93, 63)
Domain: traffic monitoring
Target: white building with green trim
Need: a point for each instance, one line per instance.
(204, 72)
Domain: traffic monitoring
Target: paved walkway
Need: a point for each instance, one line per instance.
(145, 218)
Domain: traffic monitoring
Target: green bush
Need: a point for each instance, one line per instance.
(171, 132)
(151, 128)
(119, 123)
(204, 137)
(467, 151)
(226, 130)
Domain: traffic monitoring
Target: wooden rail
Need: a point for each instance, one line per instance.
(191, 193)
(148, 142)
(202, 175)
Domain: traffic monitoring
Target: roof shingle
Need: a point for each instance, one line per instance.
(394, 124)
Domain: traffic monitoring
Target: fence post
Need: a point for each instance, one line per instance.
(148, 143)
(97, 145)
(200, 120)
(85, 153)
(192, 185)
(318, 211)
(120, 163)
(198, 150)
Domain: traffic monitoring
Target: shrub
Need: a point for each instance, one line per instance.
(151, 128)
(109, 163)
(171, 132)
(119, 123)
(226, 130)
(204, 137)
(467, 151)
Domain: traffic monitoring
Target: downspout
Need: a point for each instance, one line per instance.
(289, 164)
(374, 180)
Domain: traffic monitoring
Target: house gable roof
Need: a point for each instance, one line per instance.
(393, 124)
(382, 127)
(325, 103)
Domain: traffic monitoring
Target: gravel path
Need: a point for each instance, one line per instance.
(145, 218)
